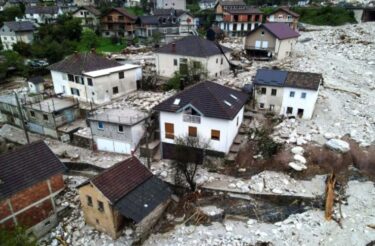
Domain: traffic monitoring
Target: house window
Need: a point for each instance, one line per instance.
(263, 91)
(89, 201)
(273, 92)
(89, 81)
(121, 128)
(272, 107)
(45, 117)
(32, 113)
(175, 62)
(303, 95)
(70, 77)
(289, 110)
(64, 76)
(215, 135)
(100, 206)
(169, 130)
(74, 91)
(291, 94)
(262, 33)
(100, 125)
(115, 90)
(192, 131)
(261, 105)
(121, 75)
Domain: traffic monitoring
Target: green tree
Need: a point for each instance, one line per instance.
(22, 48)
(89, 39)
(16, 237)
(9, 14)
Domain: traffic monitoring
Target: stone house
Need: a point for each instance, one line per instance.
(284, 15)
(170, 4)
(271, 41)
(31, 176)
(236, 18)
(89, 16)
(209, 111)
(47, 116)
(287, 93)
(42, 14)
(126, 194)
(36, 84)
(90, 77)
(16, 31)
(118, 22)
(175, 57)
(117, 130)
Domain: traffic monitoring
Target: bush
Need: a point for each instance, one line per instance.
(174, 83)
(16, 237)
(89, 39)
(266, 146)
(331, 16)
(22, 48)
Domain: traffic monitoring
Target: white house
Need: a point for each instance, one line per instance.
(167, 4)
(89, 16)
(175, 56)
(207, 110)
(207, 4)
(287, 93)
(117, 130)
(36, 84)
(42, 14)
(90, 77)
(16, 31)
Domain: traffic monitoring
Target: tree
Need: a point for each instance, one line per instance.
(189, 153)
(266, 146)
(9, 14)
(15, 61)
(89, 39)
(22, 48)
(16, 237)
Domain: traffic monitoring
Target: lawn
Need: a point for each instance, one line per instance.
(104, 45)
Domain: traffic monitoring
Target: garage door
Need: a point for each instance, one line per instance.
(113, 146)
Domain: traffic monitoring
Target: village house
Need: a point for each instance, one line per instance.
(168, 4)
(126, 194)
(207, 4)
(36, 84)
(42, 14)
(284, 15)
(132, 3)
(180, 18)
(236, 18)
(89, 16)
(16, 31)
(47, 116)
(9, 111)
(271, 41)
(118, 22)
(287, 93)
(176, 56)
(30, 178)
(209, 111)
(80, 3)
(16, 3)
(90, 77)
(117, 130)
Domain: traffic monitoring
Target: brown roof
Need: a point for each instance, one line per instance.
(303, 80)
(125, 13)
(209, 98)
(83, 62)
(122, 178)
(91, 9)
(247, 10)
(279, 30)
(27, 166)
(287, 10)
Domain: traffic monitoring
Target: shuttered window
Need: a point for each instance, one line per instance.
(169, 130)
(192, 131)
(215, 135)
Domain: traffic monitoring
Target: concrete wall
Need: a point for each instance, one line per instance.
(268, 99)
(228, 129)
(109, 220)
(251, 39)
(284, 47)
(296, 102)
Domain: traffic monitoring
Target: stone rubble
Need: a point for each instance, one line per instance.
(338, 145)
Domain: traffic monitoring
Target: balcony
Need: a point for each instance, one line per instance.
(191, 118)
(251, 47)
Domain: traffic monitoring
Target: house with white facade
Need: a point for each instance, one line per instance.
(90, 77)
(175, 56)
(42, 14)
(167, 4)
(16, 31)
(211, 112)
(180, 20)
(89, 16)
(117, 130)
(35, 84)
(207, 4)
(287, 93)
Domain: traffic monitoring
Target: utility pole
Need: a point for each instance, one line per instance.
(21, 117)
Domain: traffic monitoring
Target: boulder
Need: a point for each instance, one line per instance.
(300, 159)
(297, 150)
(297, 166)
(338, 145)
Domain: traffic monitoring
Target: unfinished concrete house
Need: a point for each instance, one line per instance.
(30, 178)
(117, 130)
(126, 194)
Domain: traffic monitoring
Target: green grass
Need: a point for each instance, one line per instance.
(330, 16)
(104, 45)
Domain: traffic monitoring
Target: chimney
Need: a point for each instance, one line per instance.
(173, 47)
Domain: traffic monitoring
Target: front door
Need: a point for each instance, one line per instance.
(300, 113)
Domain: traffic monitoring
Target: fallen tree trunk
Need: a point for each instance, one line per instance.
(330, 195)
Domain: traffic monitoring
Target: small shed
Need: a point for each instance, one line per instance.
(36, 84)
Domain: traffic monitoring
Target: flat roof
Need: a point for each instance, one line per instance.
(124, 116)
(107, 71)
(52, 105)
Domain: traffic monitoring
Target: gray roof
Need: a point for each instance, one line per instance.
(169, 12)
(90, 9)
(270, 77)
(20, 26)
(83, 62)
(209, 98)
(51, 10)
(123, 116)
(53, 104)
(148, 20)
(192, 46)
(279, 30)
(27, 166)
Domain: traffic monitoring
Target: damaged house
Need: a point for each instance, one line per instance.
(117, 130)
(176, 56)
(30, 179)
(90, 77)
(207, 110)
(287, 93)
(117, 23)
(271, 41)
(126, 194)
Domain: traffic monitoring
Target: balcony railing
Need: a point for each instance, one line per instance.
(251, 47)
(192, 118)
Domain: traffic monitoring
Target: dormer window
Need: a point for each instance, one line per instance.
(228, 103)
(233, 96)
(176, 101)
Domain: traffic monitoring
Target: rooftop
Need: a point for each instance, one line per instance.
(270, 77)
(209, 98)
(20, 26)
(192, 46)
(90, 9)
(279, 30)
(53, 104)
(108, 71)
(124, 116)
(51, 10)
(247, 10)
(287, 10)
(27, 166)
